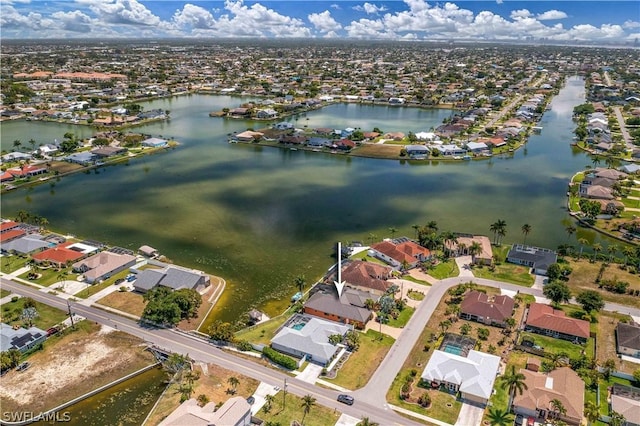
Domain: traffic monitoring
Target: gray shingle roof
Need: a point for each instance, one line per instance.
(312, 339)
(26, 244)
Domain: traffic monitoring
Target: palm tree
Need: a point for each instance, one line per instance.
(307, 403)
(415, 228)
(616, 419)
(570, 231)
(591, 412)
(393, 231)
(32, 142)
(583, 242)
(513, 382)
(597, 247)
(612, 249)
(526, 229)
(474, 250)
(628, 252)
(17, 144)
(557, 408)
(499, 229)
(499, 417)
(595, 160)
(366, 422)
(433, 226)
(300, 281)
(234, 382)
(268, 402)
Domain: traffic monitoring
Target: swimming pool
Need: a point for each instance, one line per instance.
(452, 349)
(298, 326)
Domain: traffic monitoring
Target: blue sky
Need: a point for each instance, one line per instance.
(562, 21)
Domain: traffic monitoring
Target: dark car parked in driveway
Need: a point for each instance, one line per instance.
(346, 399)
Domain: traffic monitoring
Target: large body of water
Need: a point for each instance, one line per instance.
(260, 216)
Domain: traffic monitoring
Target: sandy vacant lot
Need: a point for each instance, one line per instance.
(72, 365)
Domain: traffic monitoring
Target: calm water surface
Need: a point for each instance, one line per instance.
(260, 216)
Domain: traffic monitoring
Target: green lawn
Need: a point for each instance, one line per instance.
(4, 293)
(403, 318)
(9, 264)
(365, 257)
(415, 280)
(51, 276)
(264, 332)
(515, 274)
(552, 345)
(317, 416)
(444, 270)
(355, 373)
(415, 295)
(47, 316)
(94, 288)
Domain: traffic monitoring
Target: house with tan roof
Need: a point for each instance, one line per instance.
(460, 247)
(625, 400)
(367, 276)
(561, 384)
(348, 308)
(490, 310)
(400, 251)
(235, 411)
(103, 265)
(543, 319)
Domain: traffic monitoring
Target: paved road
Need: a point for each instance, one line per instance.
(623, 127)
(200, 350)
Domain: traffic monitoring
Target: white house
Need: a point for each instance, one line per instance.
(472, 376)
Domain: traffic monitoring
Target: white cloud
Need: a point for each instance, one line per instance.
(194, 17)
(631, 24)
(522, 13)
(499, 1)
(74, 21)
(258, 21)
(122, 12)
(552, 15)
(335, 6)
(324, 22)
(416, 5)
(370, 9)
(11, 19)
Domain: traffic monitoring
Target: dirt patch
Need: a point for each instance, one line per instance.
(377, 151)
(126, 301)
(72, 365)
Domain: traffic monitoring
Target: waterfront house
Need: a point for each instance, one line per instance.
(21, 339)
(236, 411)
(625, 400)
(108, 151)
(417, 151)
(348, 308)
(172, 276)
(15, 156)
(25, 245)
(628, 339)
(449, 150)
(490, 310)
(460, 247)
(399, 252)
(103, 265)
(543, 319)
(396, 136)
(84, 158)
(148, 251)
(367, 276)
(310, 338)
(267, 114)
(318, 142)
(473, 376)
(285, 125)
(240, 112)
(561, 384)
(64, 254)
(538, 259)
(249, 136)
(477, 147)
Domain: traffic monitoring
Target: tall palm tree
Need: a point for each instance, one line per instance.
(570, 231)
(526, 229)
(583, 242)
(499, 417)
(415, 228)
(514, 382)
(628, 252)
(597, 247)
(307, 403)
(494, 228)
(17, 144)
(474, 250)
(499, 230)
(612, 249)
(393, 231)
(595, 160)
(268, 402)
(557, 407)
(234, 382)
(591, 412)
(433, 226)
(616, 419)
(300, 281)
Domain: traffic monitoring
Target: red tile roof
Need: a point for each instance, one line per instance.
(368, 275)
(4, 226)
(546, 318)
(59, 254)
(11, 234)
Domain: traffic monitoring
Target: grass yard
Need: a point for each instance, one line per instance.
(403, 318)
(377, 151)
(583, 278)
(47, 316)
(415, 280)
(551, 345)
(415, 295)
(9, 264)
(317, 416)
(51, 276)
(365, 257)
(355, 373)
(444, 270)
(500, 397)
(213, 383)
(264, 332)
(126, 301)
(507, 272)
(4, 293)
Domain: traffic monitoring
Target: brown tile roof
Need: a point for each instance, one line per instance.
(562, 384)
(350, 305)
(498, 308)
(408, 251)
(546, 318)
(368, 275)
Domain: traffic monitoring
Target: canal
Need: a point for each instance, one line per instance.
(260, 216)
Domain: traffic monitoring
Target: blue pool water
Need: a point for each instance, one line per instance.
(452, 349)
(299, 326)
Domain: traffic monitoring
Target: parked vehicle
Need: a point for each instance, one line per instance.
(24, 366)
(346, 399)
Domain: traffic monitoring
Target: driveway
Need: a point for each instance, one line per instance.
(263, 390)
(310, 374)
(346, 420)
(463, 263)
(470, 415)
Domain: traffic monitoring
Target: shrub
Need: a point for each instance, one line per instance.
(14, 299)
(280, 359)
(243, 345)
(424, 400)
